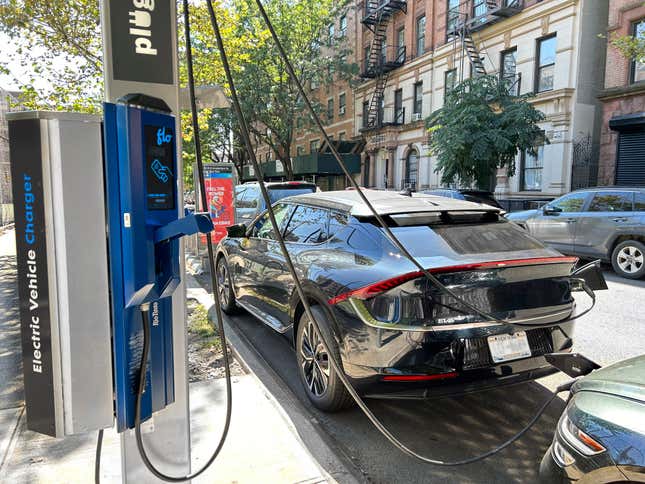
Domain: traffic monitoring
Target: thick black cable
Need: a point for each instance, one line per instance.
(97, 458)
(215, 289)
(336, 366)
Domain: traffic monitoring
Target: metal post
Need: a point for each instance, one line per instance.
(146, 62)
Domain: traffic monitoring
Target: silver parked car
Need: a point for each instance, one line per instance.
(598, 223)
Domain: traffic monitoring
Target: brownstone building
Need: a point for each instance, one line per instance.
(622, 150)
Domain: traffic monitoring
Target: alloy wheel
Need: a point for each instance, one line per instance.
(630, 259)
(315, 360)
(222, 283)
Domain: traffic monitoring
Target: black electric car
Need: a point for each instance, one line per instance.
(394, 332)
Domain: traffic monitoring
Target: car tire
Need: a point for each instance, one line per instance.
(226, 295)
(628, 259)
(321, 383)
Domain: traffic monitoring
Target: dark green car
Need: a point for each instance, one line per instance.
(601, 435)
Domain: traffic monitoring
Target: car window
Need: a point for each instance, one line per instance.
(308, 225)
(572, 202)
(263, 228)
(247, 198)
(337, 221)
(611, 202)
(639, 202)
(280, 193)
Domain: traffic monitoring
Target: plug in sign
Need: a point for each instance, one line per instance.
(140, 41)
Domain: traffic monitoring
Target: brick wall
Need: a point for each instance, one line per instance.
(620, 97)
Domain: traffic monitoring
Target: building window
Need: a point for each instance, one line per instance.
(300, 150)
(638, 68)
(421, 35)
(366, 111)
(330, 109)
(331, 30)
(366, 57)
(452, 18)
(531, 173)
(313, 146)
(411, 170)
(341, 104)
(418, 97)
(545, 64)
(398, 107)
(343, 25)
(450, 81)
(400, 45)
(341, 136)
(508, 71)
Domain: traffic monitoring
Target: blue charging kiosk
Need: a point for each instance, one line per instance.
(144, 229)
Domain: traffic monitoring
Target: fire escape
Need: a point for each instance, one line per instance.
(380, 58)
(471, 16)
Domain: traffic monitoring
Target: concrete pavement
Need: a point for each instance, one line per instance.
(266, 443)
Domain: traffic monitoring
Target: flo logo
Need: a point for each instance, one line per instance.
(162, 137)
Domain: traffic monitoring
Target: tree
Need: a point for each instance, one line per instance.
(632, 47)
(269, 97)
(59, 41)
(480, 128)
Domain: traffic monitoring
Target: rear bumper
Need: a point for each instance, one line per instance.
(509, 373)
(456, 361)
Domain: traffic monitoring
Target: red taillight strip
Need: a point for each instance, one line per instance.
(438, 376)
(382, 286)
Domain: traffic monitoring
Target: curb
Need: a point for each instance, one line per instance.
(331, 460)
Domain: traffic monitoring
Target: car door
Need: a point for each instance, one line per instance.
(606, 215)
(259, 256)
(555, 223)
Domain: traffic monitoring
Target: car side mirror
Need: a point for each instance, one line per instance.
(236, 231)
(549, 210)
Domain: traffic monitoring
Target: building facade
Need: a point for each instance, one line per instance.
(551, 48)
(310, 156)
(622, 149)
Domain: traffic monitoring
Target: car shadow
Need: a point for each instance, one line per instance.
(451, 428)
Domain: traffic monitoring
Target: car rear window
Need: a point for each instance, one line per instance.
(499, 236)
(276, 194)
(470, 238)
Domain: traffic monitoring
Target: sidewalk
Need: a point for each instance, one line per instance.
(263, 443)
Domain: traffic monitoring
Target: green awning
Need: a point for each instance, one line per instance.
(325, 164)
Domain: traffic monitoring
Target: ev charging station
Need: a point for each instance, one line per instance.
(99, 221)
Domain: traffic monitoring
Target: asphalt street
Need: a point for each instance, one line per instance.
(454, 428)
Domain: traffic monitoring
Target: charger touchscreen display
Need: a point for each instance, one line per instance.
(160, 169)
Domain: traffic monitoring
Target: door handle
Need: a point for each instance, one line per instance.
(570, 220)
(619, 219)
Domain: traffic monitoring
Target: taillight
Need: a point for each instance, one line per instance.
(437, 376)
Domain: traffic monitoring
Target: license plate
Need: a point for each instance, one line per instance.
(506, 347)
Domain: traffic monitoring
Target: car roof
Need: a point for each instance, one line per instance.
(385, 202)
(610, 189)
(281, 184)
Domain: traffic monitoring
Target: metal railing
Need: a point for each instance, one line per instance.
(390, 57)
(477, 13)
(373, 7)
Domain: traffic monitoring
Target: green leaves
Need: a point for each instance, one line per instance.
(481, 128)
